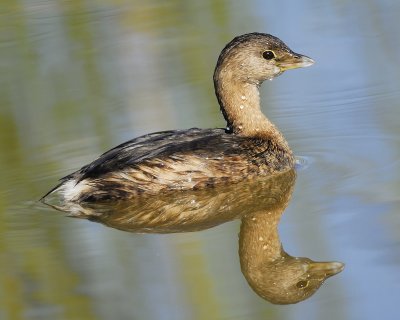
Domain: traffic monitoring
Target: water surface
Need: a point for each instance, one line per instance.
(78, 77)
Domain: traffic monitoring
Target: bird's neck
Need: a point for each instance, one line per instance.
(239, 100)
(259, 242)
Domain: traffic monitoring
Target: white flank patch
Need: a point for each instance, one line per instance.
(72, 191)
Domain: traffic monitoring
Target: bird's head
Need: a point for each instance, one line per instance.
(290, 279)
(255, 57)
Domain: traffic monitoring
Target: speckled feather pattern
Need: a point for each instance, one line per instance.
(178, 160)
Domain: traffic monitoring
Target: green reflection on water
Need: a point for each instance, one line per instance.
(80, 76)
(58, 86)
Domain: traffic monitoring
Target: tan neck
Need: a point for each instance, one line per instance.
(259, 241)
(240, 104)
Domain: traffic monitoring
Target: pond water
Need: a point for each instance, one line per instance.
(79, 77)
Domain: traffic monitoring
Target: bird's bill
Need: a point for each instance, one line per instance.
(294, 61)
(326, 269)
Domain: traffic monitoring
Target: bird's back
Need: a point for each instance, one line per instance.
(174, 160)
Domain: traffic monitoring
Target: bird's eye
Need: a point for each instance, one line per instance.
(302, 284)
(268, 55)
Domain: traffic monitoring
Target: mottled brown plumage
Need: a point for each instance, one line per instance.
(197, 158)
(192, 210)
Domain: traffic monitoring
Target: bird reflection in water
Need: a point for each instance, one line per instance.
(271, 272)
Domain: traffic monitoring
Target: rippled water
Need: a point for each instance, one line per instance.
(81, 76)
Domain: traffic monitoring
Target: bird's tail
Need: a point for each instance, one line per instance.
(43, 199)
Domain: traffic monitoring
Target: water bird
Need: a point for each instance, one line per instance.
(249, 146)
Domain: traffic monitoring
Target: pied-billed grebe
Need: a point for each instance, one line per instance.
(189, 159)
